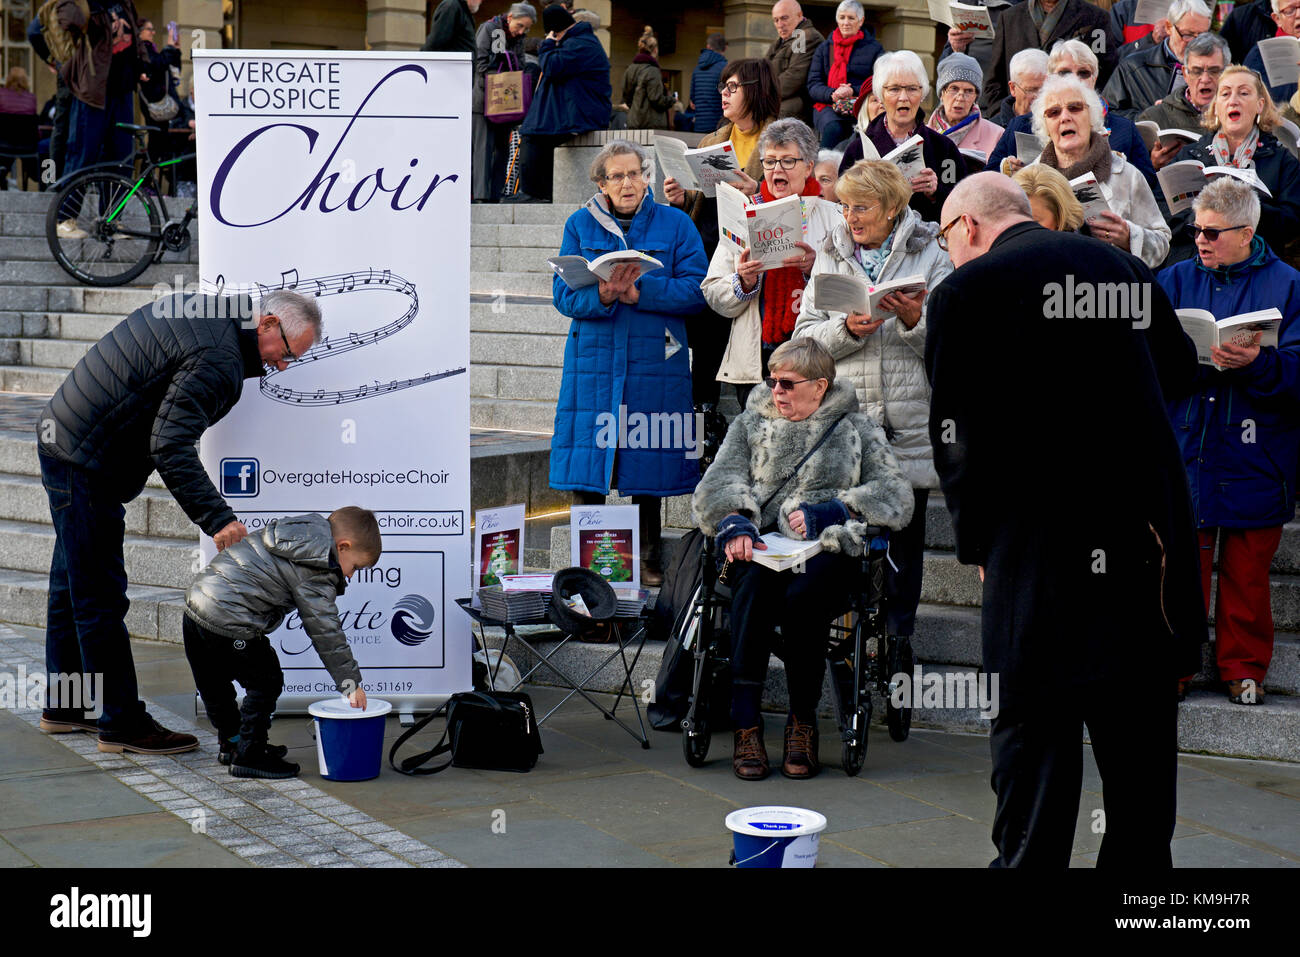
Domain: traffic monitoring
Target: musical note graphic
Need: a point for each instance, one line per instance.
(329, 348)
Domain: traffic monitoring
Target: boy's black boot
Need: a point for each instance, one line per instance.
(226, 748)
(255, 760)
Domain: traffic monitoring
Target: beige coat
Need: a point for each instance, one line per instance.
(742, 363)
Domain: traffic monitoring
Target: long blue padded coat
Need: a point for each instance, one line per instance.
(1242, 476)
(631, 356)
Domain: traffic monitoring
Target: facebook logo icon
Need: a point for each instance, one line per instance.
(239, 478)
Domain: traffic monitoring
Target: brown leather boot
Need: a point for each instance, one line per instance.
(1245, 691)
(800, 760)
(749, 758)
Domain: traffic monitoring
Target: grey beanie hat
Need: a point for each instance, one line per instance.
(959, 66)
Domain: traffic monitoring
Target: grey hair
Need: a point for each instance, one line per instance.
(804, 357)
(1181, 8)
(1059, 84)
(831, 156)
(297, 313)
(905, 61)
(790, 131)
(1208, 44)
(523, 10)
(1076, 50)
(587, 16)
(853, 7)
(1235, 201)
(1027, 62)
(621, 148)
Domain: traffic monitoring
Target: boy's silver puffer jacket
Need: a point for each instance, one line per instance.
(248, 589)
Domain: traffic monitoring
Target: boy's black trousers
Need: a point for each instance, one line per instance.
(218, 661)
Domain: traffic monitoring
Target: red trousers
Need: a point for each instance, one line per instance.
(1243, 620)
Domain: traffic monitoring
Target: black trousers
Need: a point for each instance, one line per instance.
(216, 662)
(1038, 776)
(537, 164)
(709, 333)
(803, 604)
(903, 587)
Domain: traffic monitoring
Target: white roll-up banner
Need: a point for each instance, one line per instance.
(345, 176)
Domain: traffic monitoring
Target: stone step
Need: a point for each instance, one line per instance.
(92, 326)
(522, 214)
(22, 223)
(513, 415)
(43, 353)
(515, 382)
(512, 259)
(41, 380)
(493, 283)
(46, 272)
(18, 456)
(35, 248)
(163, 562)
(19, 324)
(155, 613)
(517, 348)
(121, 300)
(154, 513)
(518, 317)
(1207, 722)
(512, 236)
(24, 201)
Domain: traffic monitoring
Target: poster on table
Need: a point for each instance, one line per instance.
(345, 176)
(607, 540)
(498, 544)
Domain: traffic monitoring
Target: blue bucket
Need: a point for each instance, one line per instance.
(775, 836)
(349, 741)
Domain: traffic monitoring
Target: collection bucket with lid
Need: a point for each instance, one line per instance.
(349, 741)
(773, 836)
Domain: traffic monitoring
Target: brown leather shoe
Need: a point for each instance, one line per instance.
(61, 721)
(800, 760)
(749, 757)
(149, 738)
(1245, 691)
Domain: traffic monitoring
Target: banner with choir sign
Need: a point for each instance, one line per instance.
(345, 176)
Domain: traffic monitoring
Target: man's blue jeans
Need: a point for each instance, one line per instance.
(85, 631)
(95, 137)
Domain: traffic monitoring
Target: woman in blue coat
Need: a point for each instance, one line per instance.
(624, 417)
(1240, 433)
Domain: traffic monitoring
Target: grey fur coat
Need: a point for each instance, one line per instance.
(855, 465)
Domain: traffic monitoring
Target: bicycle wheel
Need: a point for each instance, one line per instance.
(102, 229)
(900, 659)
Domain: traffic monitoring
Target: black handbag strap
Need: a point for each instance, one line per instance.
(809, 454)
(412, 764)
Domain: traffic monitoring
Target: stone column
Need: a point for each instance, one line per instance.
(191, 15)
(749, 28)
(601, 8)
(394, 24)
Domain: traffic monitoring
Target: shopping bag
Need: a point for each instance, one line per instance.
(507, 94)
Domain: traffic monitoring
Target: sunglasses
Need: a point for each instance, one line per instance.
(1211, 233)
(787, 385)
(1052, 112)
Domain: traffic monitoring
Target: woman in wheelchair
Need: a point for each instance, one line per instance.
(764, 479)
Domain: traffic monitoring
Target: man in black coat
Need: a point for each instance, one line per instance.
(1064, 480)
(452, 27)
(139, 400)
(1033, 24)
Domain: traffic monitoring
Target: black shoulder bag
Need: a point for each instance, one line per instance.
(489, 730)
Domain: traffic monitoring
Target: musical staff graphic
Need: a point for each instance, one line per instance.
(329, 348)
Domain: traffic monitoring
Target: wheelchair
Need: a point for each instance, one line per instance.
(862, 659)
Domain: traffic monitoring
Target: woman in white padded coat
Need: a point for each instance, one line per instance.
(880, 239)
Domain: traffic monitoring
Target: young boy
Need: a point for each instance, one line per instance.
(300, 562)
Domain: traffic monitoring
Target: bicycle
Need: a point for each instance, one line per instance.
(107, 224)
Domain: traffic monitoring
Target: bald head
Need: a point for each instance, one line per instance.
(989, 202)
(786, 15)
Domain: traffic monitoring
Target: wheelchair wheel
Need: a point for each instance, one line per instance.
(854, 754)
(898, 658)
(695, 744)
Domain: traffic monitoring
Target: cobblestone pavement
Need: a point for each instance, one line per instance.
(268, 823)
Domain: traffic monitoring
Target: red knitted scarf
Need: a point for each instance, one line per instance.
(780, 305)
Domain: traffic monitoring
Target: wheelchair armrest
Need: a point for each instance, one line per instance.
(875, 531)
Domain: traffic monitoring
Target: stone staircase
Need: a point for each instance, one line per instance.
(47, 323)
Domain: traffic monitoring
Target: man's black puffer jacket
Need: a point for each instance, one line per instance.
(143, 395)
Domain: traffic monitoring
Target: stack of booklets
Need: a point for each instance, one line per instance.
(511, 606)
(630, 603)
